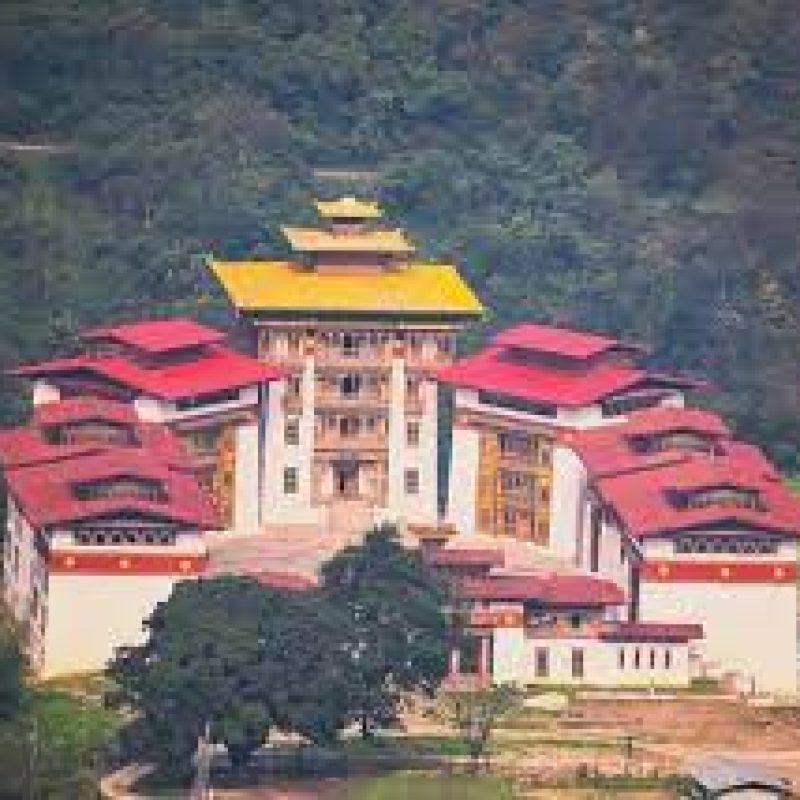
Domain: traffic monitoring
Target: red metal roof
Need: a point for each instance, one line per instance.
(84, 409)
(216, 370)
(492, 371)
(28, 446)
(642, 498)
(558, 341)
(651, 632)
(609, 449)
(554, 589)
(466, 557)
(24, 446)
(158, 336)
(46, 492)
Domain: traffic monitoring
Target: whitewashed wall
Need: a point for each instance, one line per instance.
(515, 661)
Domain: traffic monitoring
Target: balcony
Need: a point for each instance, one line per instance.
(333, 440)
(357, 358)
(327, 398)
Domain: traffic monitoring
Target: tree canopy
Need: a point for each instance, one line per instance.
(244, 659)
(625, 166)
(396, 632)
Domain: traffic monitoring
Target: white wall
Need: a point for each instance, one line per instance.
(279, 507)
(150, 409)
(92, 615)
(45, 392)
(463, 486)
(749, 628)
(397, 438)
(567, 496)
(423, 508)
(515, 661)
(246, 499)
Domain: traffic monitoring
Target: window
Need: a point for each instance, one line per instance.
(412, 481)
(577, 662)
(293, 386)
(542, 662)
(544, 494)
(637, 659)
(351, 385)
(293, 342)
(349, 426)
(652, 658)
(575, 621)
(291, 431)
(667, 659)
(622, 554)
(621, 659)
(350, 345)
(412, 434)
(290, 480)
(514, 444)
(542, 531)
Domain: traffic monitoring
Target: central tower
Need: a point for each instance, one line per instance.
(362, 326)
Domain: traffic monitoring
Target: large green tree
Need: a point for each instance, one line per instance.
(396, 634)
(240, 658)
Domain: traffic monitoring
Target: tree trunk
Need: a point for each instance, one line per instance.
(365, 732)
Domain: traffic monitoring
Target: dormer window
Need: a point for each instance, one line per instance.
(717, 497)
(90, 431)
(123, 486)
(680, 441)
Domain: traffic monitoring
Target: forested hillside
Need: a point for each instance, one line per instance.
(628, 166)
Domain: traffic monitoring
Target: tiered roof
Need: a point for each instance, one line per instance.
(46, 492)
(30, 445)
(395, 283)
(554, 366)
(158, 336)
(348, 208)
(313, 240)
(646, 489)
(209, 368)
(43, 475)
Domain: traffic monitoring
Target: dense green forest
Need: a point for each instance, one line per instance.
(627, 166)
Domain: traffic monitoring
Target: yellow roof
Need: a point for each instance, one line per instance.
(282, 286)
(313, 240)
(348, 208)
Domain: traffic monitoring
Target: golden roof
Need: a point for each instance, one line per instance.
(282, 286)
(313, 240)
(348, 208)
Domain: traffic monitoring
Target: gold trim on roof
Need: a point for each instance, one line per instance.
(314, 240)
(348, 208)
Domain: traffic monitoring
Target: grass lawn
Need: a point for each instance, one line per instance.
(60, 741)
(794, 483)
(405, 786)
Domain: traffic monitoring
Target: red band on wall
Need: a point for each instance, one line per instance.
(719, 572)
(125, 564)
